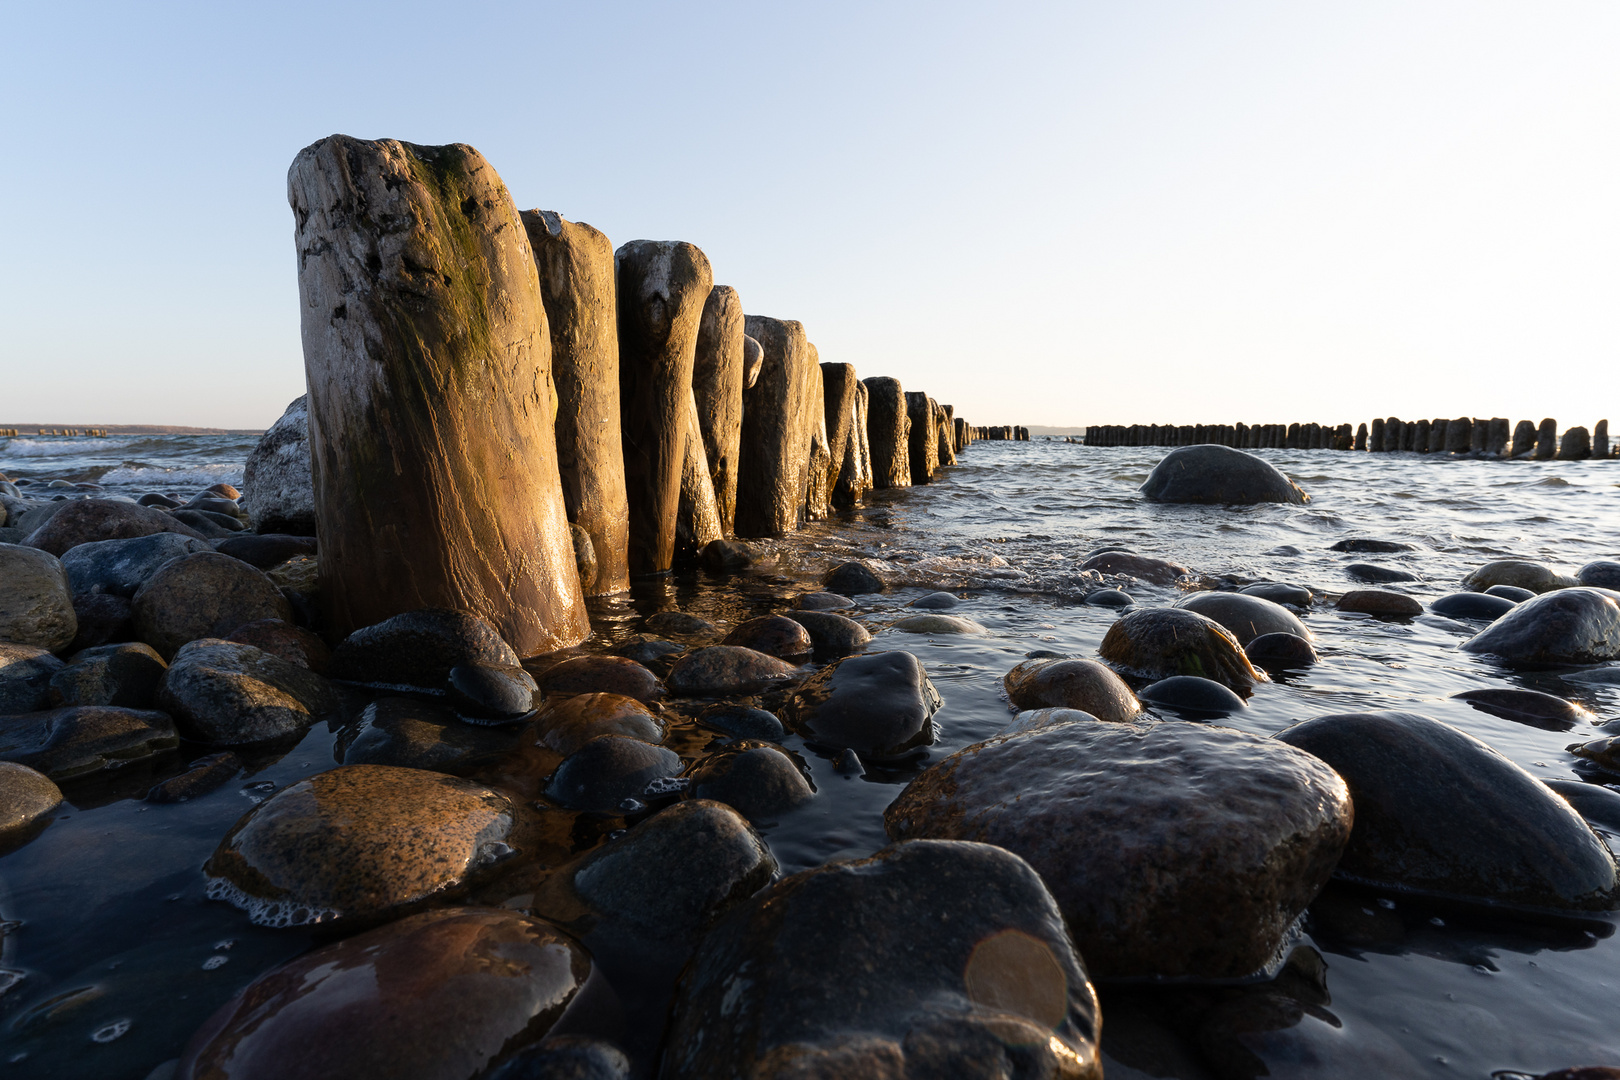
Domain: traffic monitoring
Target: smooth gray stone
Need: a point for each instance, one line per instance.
(121, 567)
(1529, 707)
(1566, 626)
(760, 782)
(936, 601)
(1280, 593)
(1370, 574)
(852, 579)
(418, 649)
(1191, 694)
(226, 693)
(744, 722)
(1245, 615)
(1510, 592)
(727, 669)
(27, 798)
(1441, 813)
(1109, 598)
(126, 674)
(487, 693)
(26, 672)
(832, 634)
(1597, 805)
(1471, 605)
(1370, 546)
(36, 600)
(609, 775)
(1219, 475)
(880, 705)
(1280, 652)
(1602, 574)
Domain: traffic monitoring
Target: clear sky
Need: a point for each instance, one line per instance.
(1045, 214)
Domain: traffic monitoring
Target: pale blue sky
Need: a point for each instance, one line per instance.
(1044, 214)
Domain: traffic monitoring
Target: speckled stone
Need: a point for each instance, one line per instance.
(357, 842)
(773, 635)
(1156, 643)
(1381, 603)
(201, 777)
(26, 672)
(1173, 849)
(126, 675)
(938, 624)
(601, 674)
(1145, 567)
(655, 654)
(418, 649)
(292, 643)
(1071, 684)
(1246, 616)
(760, 782)
(204, 595)
(926, 960)
(121, 567)
(610, 774)
(570, 723)
(230, 694)
(1519, 573)
(75, 741)
(722, 670)
(565, 1057)
(27, 798)
(1439, 812)
(851, 579)
(85, 521)
(443, 995)
(36, 601)
(880, 705)
(1569, 626)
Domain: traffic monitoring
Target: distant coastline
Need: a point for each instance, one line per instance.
(133, 429)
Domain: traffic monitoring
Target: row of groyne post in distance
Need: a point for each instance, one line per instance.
(1464, 436)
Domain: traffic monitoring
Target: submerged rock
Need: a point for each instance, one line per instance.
(1368, 545)
(357, 842)
(832, 635)
(880, 705)
(822, 601)
(852, 579)
(938, 624)
(1372, 574)
(1109, 598)
(204, 595)
(567, 725)
(743, 722)
(415, 734)
(773, 635)
(610, 774)
(26, 672)
(1440, 813)
(1247, 616)
(1156, 571)
(1071, 684)
(727, 669)
(601, 674)
(1219, 474)
(678, 622)
(1193, 695)
(1156, 643)
(759, 782)
(27, 798)
(418, 649)
(126, 675)
(1471, 605)
(936, 601)
(82, 739)
(1031, 719)
(36, 602)
(1380, 603)
(926, 960)
(1511, 592)
(201, 777)
(1174, 849)
(443, 994)
(230, 694)
(1279, 592)
(1518, 573)
(1527, 707)
(1569, 626)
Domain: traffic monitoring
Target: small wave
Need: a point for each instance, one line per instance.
(57, 447)
(203, 475)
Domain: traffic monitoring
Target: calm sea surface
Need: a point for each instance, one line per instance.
(119, 956)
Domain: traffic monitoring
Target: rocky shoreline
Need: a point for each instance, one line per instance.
(541, 856)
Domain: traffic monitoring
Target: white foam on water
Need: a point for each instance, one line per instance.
(157, 476)
(277, 914)
(55, 447)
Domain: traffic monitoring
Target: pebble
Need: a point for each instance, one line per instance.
(36, 602)
(609, 773)
(760, 782)
(1156, 643)
(601, 674)
(743, 722)
(1247, 616)
(203, 595)
(1280, 652)
(1174, 849)
(928, 959)
(880, 705)
(1380, 603)
(1471, 605)
(1528, 707)
(1441, 813)
(487, 693)
(1280, 593)
(773, 635)
(1567, 626)
(201, 777)
(442, 995)
(938, 624)
(127, 675)
(418, 649)
(1378, 575)
(82, 739)
(1145, 567)
(1071, 684)
(936, 601)
(27, 799)
(567, 725)
(1190, 694)
(228, 694)
(852, 579)
(26, 672)
(832, 635)
(822, 601)
(723, 670)
(358, 842)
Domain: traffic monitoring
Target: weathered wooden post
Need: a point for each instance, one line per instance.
(1547, 440)
(1576, 445)
(697, 520)
(922, 448)
(717, 387)
(821, 471)
(1459, 435)
(1496, 440)
(575, 267)
(1375, 439)
(855, 472)
(1524, 438)
(775, 451)
(888, 431)
(430, 397)
(1600, 439)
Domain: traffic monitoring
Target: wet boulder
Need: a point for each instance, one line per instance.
(27, 798)
(938, 624)
(759, 782)
(1145, 567)
(1530, 707)
(743, 722)
(610, 774)
(1031, 719)
(229, 694)
(722, 670)
(832, 635)
(601, 674)
(880, 705)
(567, 725)
(491, 693)
(1156, 643)
(1471, 605)
(265, 551)
(26, 672)
(1519, 573)
(1174, 849)
(1370, 545)
(1192, 697)
(439, 995)
(1380, 603)
(1602, 574)
(126, 675)
(654, 654)
(203, 595)
(414, 734)
(84, 521)
(358, 842)
(822, 601)
(773, 635)
(293, 644)
(202, 776)
(852, 579)
(82, 739)
(1373, 574)
(1071, 684)
(1439, 812)
(418, 649)
(677, 622)
(1114, 598)
(1219, 475)
(1280, 652)
(1246, 616)
(1511, 592)
(1279, 592)
(1567, 626)
(36, 600)
(926, 960)
(936, 601)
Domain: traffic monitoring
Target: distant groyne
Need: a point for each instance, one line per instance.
(1463, 437)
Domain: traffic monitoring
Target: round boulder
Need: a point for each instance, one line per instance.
(357, 842)
(126, 675)
(773, 635)
(415, 734)
(938, 624)
(27, 798)
(84, 521)
(26, 672)
(610, 774)
(1280, 652)
(1219, 474)
(851, 579)
(1175, 850)
(822, 601)
(1279, 592)
(1511, 592)
(601, 675)
(880, 705)
(1380, 603)
(418, 649)
(1145, 567)
(292, 643)
(1247, 616)
(1601, 574)
(1188, 694)
(759, 782)
(491, 694)
(1529, 707)
(1071, 684)
(1471, 605)
(1567, 626)
(721, 670)
(1156, 643)
(203, 595)
(567, 725)
(230, 694)
(831, 634)
(1519, 573)
(36, 601)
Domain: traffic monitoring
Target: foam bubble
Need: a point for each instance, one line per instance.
(277, 914)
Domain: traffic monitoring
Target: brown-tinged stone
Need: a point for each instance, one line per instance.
(721, 670)
(229, 694)
(831, 634)
(292, 643)
(938, 624)
(1071, 684)
(838, 394)
(1247, 617)
(1380, 602)
(774, 449)
(759, 782)
(205, 594)
(570, 723)
(1174, 849)
(126, 675)
(717, 385)
(1518, 573)
(442, 995)
(201, 777)
(697, 521)
(577, 280)
(26, 672)
(855, 470)
(1156, 643)
(82, 739)
(1146, 567)
(27, 798)
(929, 959)
(300, 573)
(428, 358)
(84, 521)
(662, 287)
(773, 635)
(357, 842)
(36, 601)
(601, 674)
(418, 648)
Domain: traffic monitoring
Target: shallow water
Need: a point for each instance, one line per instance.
(109, 922)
